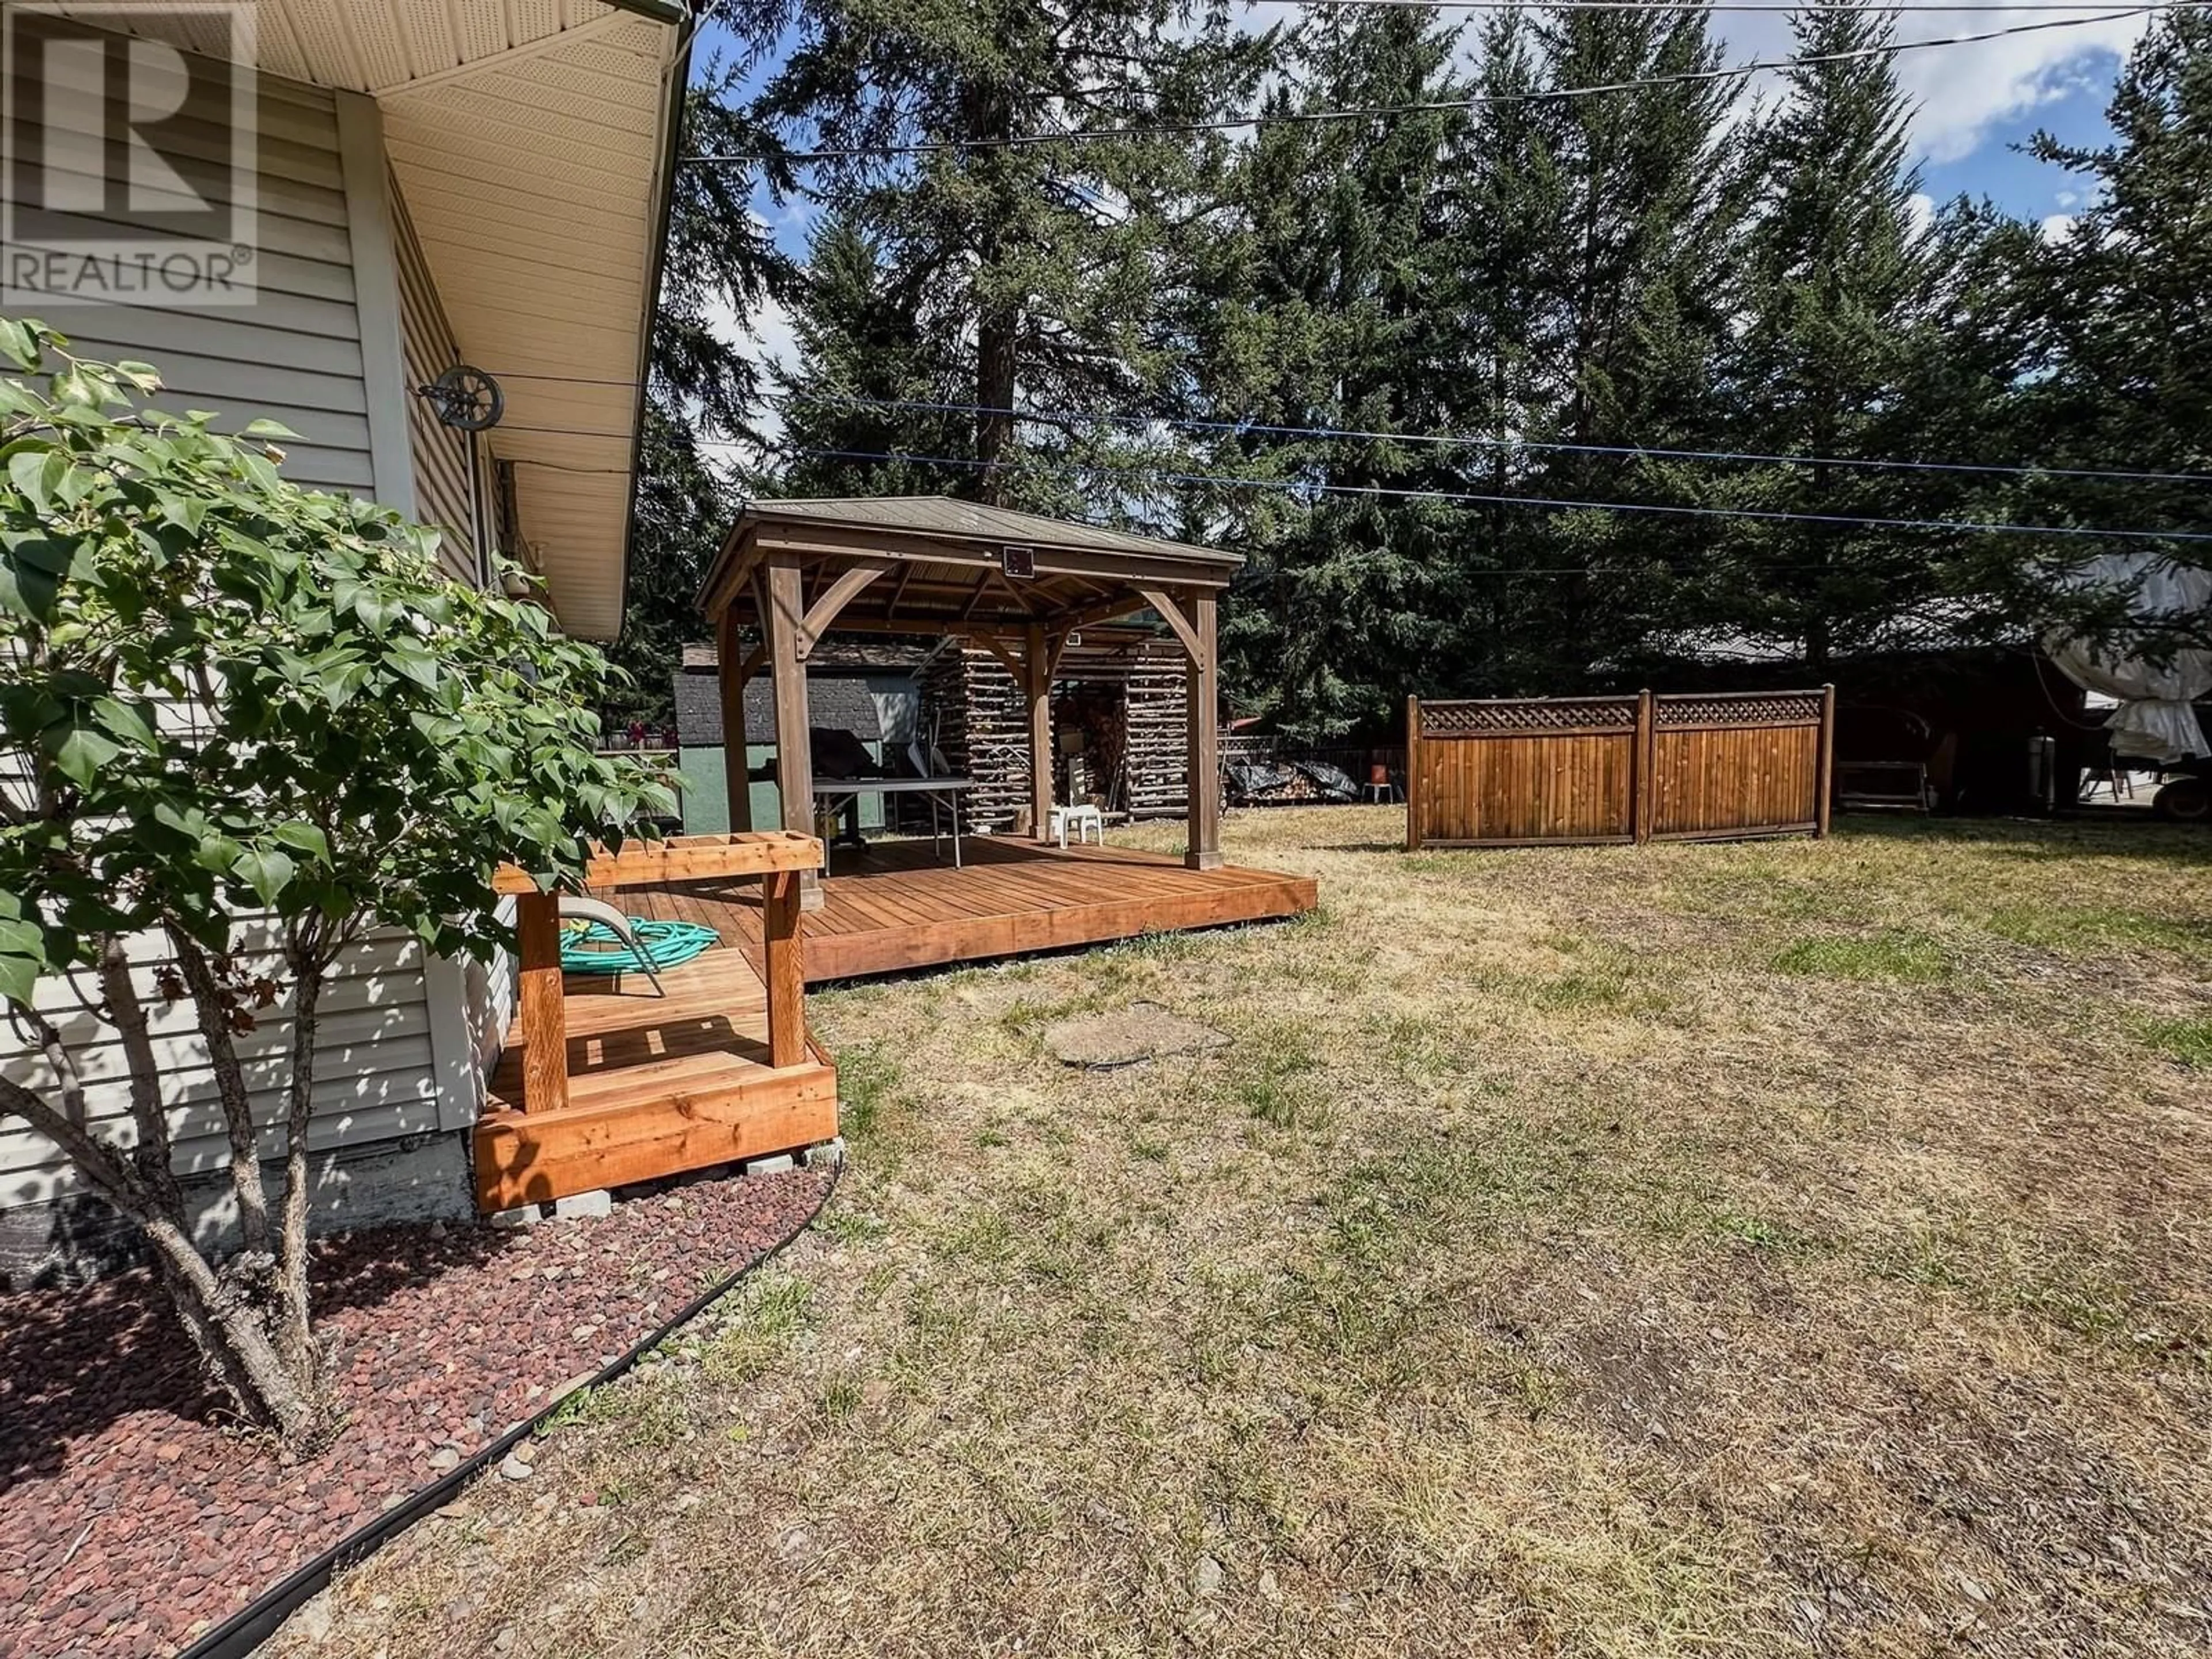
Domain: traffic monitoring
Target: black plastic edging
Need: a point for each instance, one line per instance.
(245, 1630)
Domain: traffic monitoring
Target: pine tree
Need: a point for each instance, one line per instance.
(701, 389)
(1597, 237)
(870, 366)
(2123, 375)
(1321, 313)
(1035, 254)
(1834, 361)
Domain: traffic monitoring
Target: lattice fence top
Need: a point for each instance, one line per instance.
(1534, 715)
(1740, 708)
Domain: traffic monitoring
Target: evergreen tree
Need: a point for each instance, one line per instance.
(1034, 255)
(1839, 357)
(2123, 373)
(869, 364)
(701, 389)
(1598, 239)
(1320, 312)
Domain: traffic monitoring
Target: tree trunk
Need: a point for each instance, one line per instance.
(225, 1324)
(230, 1329)
(990, 120)
(307, 952)
(214, 1008)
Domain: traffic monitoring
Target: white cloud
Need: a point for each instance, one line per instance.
(1921, 209)
(1961, 91)
(766, 337)
(2056, 226)
(1964, 91)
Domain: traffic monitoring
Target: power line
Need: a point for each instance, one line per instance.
(1460, 498)
(1314, 117)
(1934, 6)
(1476, 442)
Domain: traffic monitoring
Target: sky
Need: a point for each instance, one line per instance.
(1977, 105)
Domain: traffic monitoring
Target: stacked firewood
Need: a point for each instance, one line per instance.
(1156, 738)
(1133, 745)
(983, 727)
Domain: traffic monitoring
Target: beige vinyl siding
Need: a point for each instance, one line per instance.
(376, 1066)
(294, 354)
(440, 452)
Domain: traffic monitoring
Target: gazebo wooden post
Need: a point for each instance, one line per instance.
(537, 991)
(785, 612)
(729, 673)
(1036, 677)
(1203, 749)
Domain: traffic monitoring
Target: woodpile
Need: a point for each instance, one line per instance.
(1155, 755)
(981, 725)
(1129, 707)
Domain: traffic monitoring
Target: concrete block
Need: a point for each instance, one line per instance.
(826, 1155)
(584, 1206)
(523, 1215)
(780, 1164)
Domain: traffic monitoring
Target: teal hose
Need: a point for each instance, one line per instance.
(595, 950)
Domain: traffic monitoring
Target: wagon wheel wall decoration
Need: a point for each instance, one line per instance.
(465, 397)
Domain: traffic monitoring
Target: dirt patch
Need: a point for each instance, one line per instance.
(1128, 1036)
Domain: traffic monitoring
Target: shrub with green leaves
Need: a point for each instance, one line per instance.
(241, 722)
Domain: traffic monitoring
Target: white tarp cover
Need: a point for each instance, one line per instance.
(2154, 721)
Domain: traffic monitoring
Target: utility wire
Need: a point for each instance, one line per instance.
(1783, 6)
(1314, 117)
(1472, 441)
(1462, 497)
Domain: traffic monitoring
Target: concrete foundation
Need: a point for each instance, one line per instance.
(77, 1239)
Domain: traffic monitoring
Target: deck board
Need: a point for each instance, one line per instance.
(894, 908)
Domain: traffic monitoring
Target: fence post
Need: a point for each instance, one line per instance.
(1412, 774)
(1827, 763)
(1639, 772)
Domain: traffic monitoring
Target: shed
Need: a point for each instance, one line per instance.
(861, 713)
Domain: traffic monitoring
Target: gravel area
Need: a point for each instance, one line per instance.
(132, 1520)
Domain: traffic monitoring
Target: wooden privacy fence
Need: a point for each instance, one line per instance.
(1550, 771)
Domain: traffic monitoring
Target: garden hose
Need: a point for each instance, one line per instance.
(593, 947)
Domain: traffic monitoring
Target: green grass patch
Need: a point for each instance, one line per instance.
(1276, 1080)
(776, 1310)
(2098, 929)
(1895, 953)
(2188, 1041)
(867, 1081)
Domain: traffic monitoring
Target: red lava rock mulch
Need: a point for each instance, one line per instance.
(131, 1523)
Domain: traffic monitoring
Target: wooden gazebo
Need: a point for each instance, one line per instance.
(1017, 584)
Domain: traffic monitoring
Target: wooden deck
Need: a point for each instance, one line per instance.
(894, 907)
(656, 1084)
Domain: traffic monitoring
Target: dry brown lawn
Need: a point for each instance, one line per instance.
(1777, 1248)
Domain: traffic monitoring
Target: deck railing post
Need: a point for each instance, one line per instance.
(537, 982)
(782, 969)
(794, 756)
(1412, 774)
(1641, 763)
(1826, 767)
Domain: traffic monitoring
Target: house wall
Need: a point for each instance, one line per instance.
(295, 355)
(446, 495)
(403, 1040)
